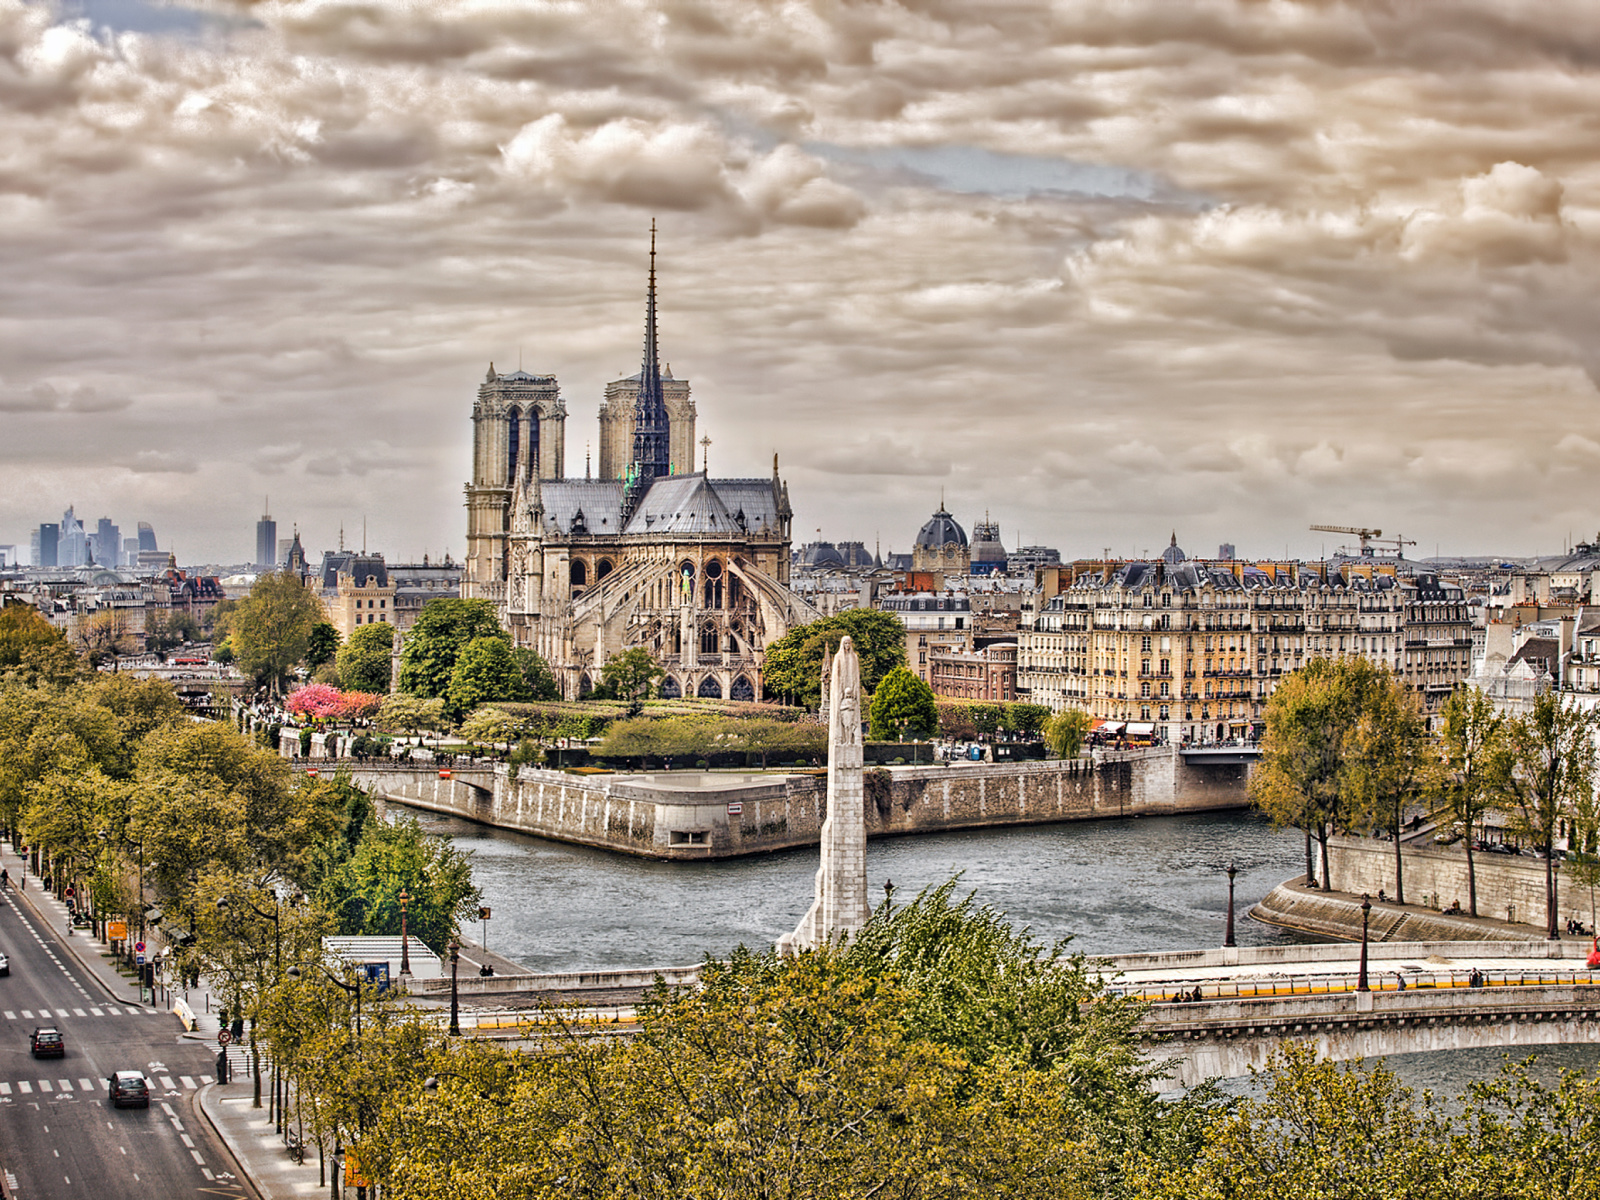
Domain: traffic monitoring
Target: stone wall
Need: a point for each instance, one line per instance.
(716, 815)
(1509, 888)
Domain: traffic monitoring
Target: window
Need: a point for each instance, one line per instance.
(383, 604)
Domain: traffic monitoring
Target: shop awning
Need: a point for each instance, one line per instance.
(1140, 728)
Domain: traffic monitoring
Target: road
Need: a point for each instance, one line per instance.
(59, 1136)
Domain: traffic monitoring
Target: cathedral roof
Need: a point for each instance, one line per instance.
(941, 530)
(682, 504)
(599, 501)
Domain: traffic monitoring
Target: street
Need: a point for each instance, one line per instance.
(59, 1136)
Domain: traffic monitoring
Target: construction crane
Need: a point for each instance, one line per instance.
(1368, 537)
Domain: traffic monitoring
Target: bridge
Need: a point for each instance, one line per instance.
(467, 790)
(1220, 755)
(1222, 1012)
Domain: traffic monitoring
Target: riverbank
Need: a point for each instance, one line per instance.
(1292, 905)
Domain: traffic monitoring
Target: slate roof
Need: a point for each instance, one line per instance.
(675, 504)
(599, 500)
(682, 504)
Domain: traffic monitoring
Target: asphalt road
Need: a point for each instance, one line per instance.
(59, 1135)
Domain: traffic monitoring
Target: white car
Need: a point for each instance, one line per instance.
(5, 965)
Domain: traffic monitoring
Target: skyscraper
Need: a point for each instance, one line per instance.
(107, 543)
(72, 547)
(147, 536)
(44, 546)
(266, 540)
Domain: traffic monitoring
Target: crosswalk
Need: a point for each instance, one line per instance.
(29, 1087)
(93, 1010)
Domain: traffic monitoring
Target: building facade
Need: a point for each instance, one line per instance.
(987, 674)
(653, 555)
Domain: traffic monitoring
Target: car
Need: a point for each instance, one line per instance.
(48, 1042)
(128, 1087)
(5, 965)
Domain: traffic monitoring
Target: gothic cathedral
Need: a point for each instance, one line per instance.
(650, 554)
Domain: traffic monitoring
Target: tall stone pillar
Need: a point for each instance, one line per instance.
(840, 906)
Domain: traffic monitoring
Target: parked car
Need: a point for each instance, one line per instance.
(5, 965)
(128, 1087)
(48, 1042)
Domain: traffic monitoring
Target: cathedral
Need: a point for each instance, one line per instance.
(650, 553)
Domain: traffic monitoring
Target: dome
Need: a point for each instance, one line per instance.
(820, 556)
(1172, 554)
(941, 530)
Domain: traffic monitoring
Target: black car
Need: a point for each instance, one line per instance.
(128, 1087)
(48, 1043)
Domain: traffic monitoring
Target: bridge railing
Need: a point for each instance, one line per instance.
(1331, 985)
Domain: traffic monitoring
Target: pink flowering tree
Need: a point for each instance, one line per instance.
(314, 702)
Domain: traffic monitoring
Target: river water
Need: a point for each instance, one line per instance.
(1112, 886)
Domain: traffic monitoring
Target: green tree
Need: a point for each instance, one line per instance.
(442, 631)
(1553, 771)
(1025, 719)
(902, 705)
(540, 681)
(1065, 731)
(1476, 762)
(270, 631)
(485, 671)
(23, 629)
(322, 646)
(632, 674)
(364, 892)
(166, 629)
(401, 713)
(366, 660)
(792, 666)
(1582, 864)
(1391, 762)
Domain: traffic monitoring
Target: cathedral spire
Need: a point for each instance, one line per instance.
(651, 434)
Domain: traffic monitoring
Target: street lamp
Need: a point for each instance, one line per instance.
(1227, 938)
(455, 1003)
(405, 941)
(1366, 910)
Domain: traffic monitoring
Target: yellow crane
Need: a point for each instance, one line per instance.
(1368, 537)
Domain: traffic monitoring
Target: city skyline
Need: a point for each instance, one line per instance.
(1237, 269)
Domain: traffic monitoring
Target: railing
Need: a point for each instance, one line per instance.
(1388, 980)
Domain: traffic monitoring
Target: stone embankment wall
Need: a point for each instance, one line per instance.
(1509, 888)
(1292, 906)
(688, 815)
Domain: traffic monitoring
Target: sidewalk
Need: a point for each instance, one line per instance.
(258, 1151)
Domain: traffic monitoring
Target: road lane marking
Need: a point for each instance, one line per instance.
(10, 1016)
(64, 1084)
(195, 1154)
(205, 1079)
(61, 1012)
(187, 1140)
(80, 1012)
(25, 1087)
(95, 1011)
(166, 1082)
(86, 1085)
(186, 1080)
(26, 1015)
(5, 1089)
(44, 1085)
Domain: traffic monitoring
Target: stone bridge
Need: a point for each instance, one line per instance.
(468, 791)
(1250, 1000)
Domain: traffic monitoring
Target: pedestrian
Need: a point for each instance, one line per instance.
(5, 878)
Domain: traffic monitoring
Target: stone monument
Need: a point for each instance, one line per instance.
(840, 907)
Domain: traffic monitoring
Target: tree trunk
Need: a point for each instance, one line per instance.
(1399, 866)
(1327, 875)
(1550, 889)
(1311, 871)
(1472, 877)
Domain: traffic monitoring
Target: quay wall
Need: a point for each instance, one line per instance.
(1510, 888)
(690, 815)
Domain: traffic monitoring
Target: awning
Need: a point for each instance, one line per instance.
(1140, 728)
(1110, 727)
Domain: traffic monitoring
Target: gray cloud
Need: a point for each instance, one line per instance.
(1098, 270)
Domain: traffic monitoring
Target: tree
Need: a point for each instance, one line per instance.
(536, 675)
(365, 661)
(443, 629)
(401, 713)
(270, 631)
(322, 645)
(632, 674)
(22, 628)
(1064, 733)
(1476, 763)
(363, 893)
(167, 629)
(1553, 771)
(1583, 848)
(1025, 719)
(104, 634)
(1391, 762)
(792, 666)
(903, 704)
(485, 671)
(1311, 721)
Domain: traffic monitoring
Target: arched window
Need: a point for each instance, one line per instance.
(708, 639)
(584, 686)
(671, 689)
(580, 572)
(709, 689)
(713, 588)
(741, 690)
(514, 446)
(602, 569)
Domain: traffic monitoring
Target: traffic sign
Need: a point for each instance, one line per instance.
(138, 947)
(116, 930)
(223, 1037)
(69, 892)
(483, 913)
(138, 959)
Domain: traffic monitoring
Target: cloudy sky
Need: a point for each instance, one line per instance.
(1102, 270)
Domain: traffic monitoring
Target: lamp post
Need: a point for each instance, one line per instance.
(405, 941)
(1361, 977)
(455, 1002)
(1227, 938)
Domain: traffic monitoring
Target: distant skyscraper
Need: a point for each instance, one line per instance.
(130, 552)
(266, 540)
(72, 548)
(147, 536)
(107, 543)
(1226, 552)
(284, 546)
(45, 540)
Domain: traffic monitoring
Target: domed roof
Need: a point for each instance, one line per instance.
(821, 555)
(1172, 554)
(941, 530)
